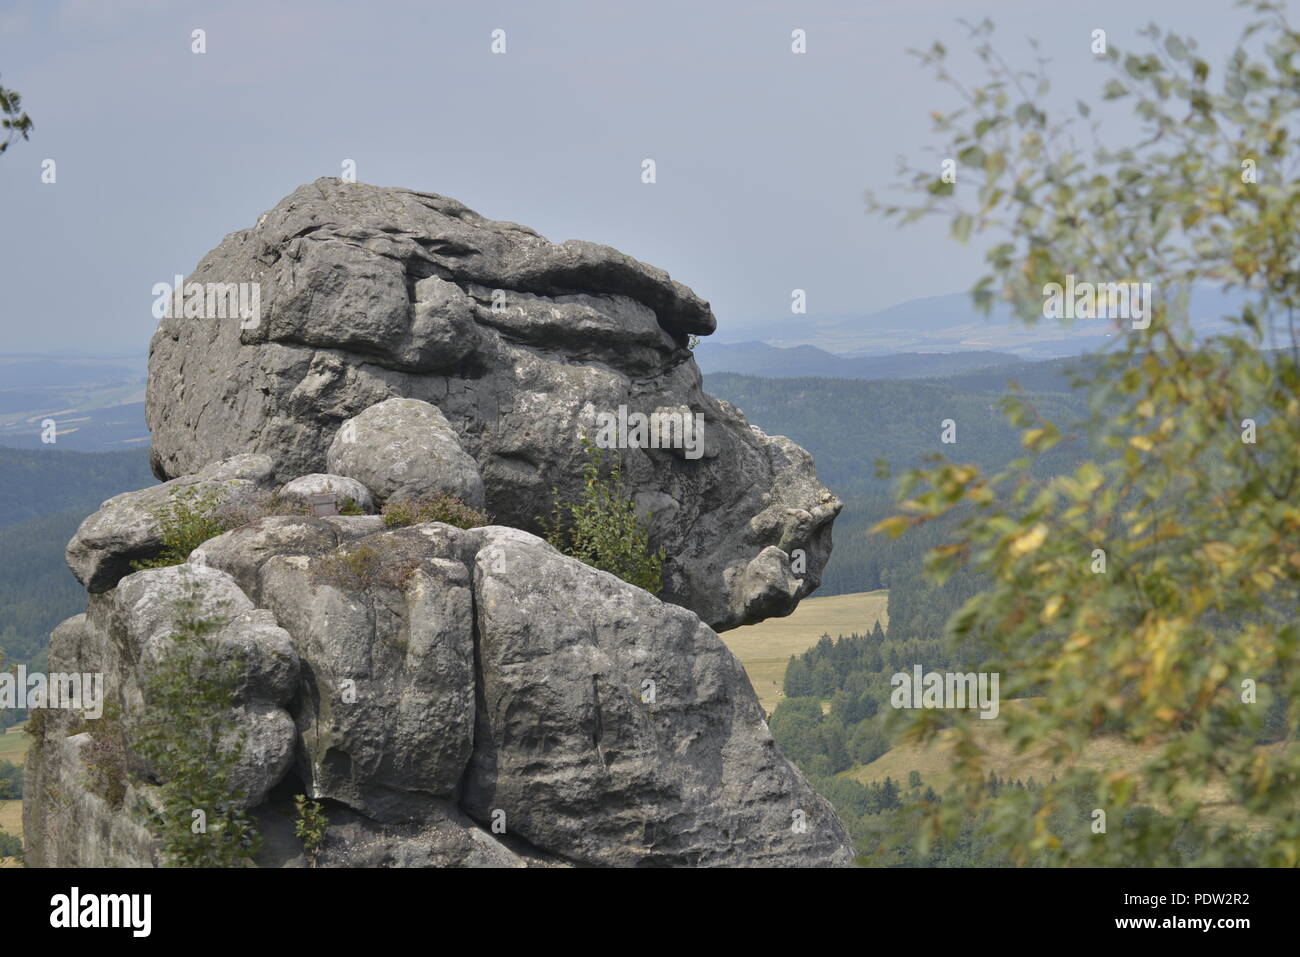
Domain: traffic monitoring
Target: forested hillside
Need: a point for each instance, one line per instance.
(830, 721)
(834, 720)
(38, 482)
(849, 426)
(44, 495)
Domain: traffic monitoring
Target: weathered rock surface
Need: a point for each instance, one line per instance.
(444, 838)
(302, 490)
(140, 624)
(369, 294)
(595, 695)
(446, 684)
(405, 450)
(127, 527)
(70, 824)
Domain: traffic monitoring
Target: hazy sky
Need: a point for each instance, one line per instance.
(762, 155)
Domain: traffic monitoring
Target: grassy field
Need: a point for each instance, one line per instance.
(11, 819)
(765, 649)
(13, 747)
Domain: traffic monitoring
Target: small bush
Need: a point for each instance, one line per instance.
(106, 761)
(439, 508)
(11, 846)
(188, 519)
(191, 517)
(261, 505)
(11, 780)
(310, 827)
(602, 530)
(363, 567)
(350, 507)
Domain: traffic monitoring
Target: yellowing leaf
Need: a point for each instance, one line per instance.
(1030, 541)
(893, 526)
(1219, 552)
(1078, 641)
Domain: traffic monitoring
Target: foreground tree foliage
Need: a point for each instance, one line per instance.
(1152, 592)
(186, 737)
(14, 121)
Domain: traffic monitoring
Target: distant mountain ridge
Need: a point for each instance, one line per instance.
(761, 359)
(951, 324)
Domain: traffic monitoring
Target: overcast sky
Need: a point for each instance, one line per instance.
(762, 155)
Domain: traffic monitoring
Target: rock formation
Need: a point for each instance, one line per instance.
(452, 696)
(370, 293)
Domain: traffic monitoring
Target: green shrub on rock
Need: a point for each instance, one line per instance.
(438, 508)
(602, 528)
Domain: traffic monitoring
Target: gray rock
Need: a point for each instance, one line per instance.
(128, 527)
(770, 581)
(125, 636)
(241, 552)
(265, 738)
(371, 293)
(73, 648)
(445, 684)
(405, 450)
(72, 825)
(63, 822)
(144, 620)
(622, 729)
(445, 837)
(305, 488)
(453, 697)
(249, 637)
(384, 628)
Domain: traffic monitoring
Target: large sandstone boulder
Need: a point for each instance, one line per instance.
(455, 697)
(404, 449)
(595, 695)
(370, 294)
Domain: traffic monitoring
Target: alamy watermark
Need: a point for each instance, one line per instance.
(209, 300)
(129, 911)
(73, 691)
(949, 690)
(1100, 300)
(656, 430)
